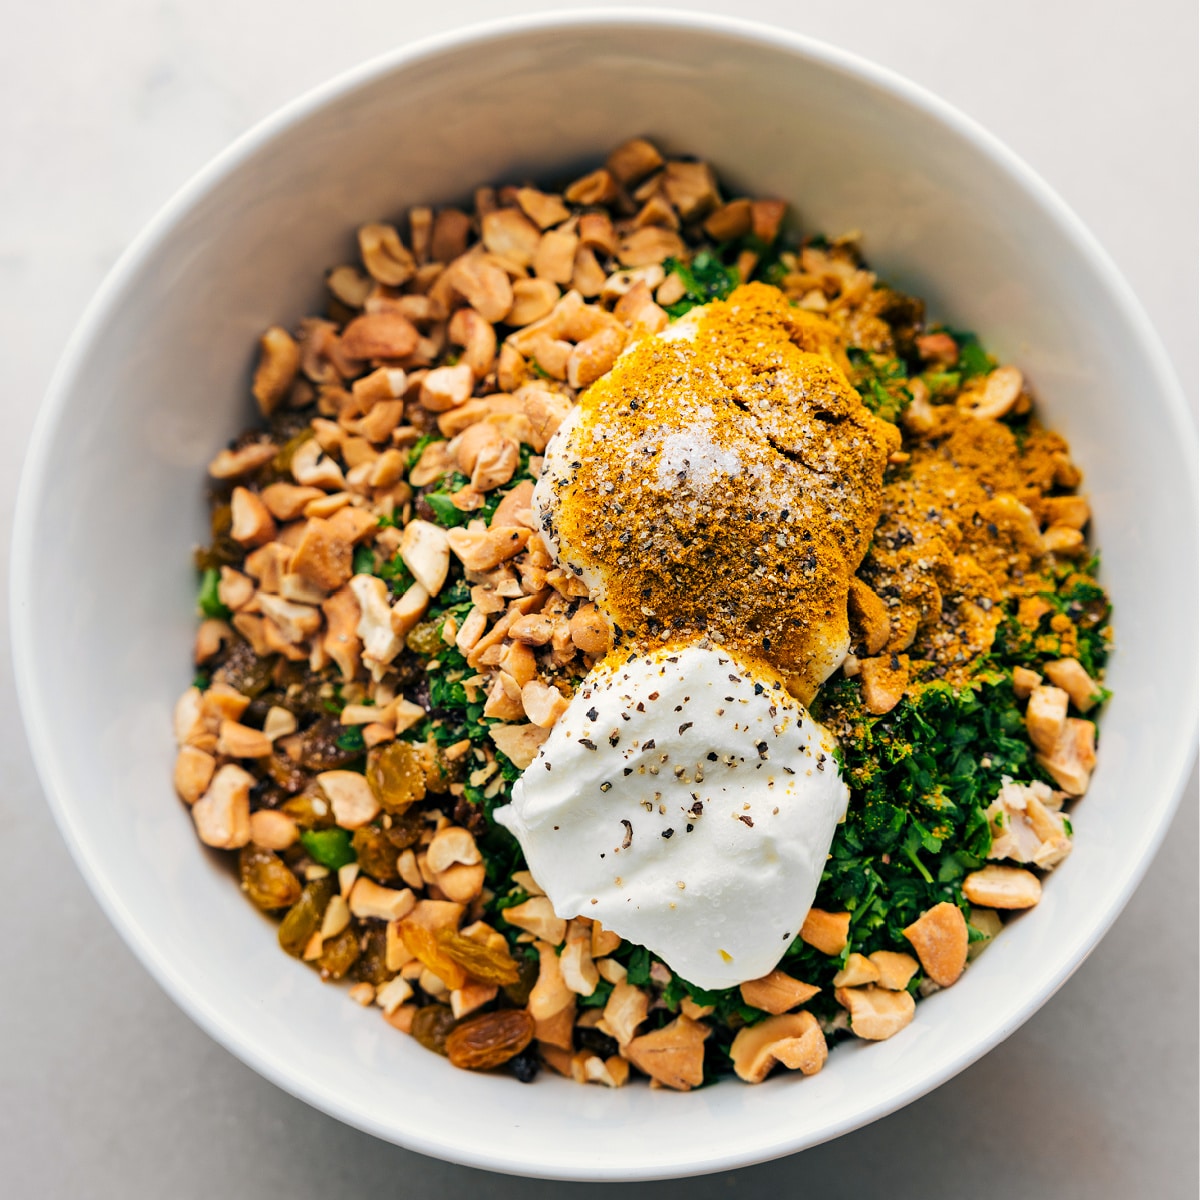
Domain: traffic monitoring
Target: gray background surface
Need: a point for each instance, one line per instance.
(106, 1090)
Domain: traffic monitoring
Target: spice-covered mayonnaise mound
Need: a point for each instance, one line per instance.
(723, 480)
(686, 803)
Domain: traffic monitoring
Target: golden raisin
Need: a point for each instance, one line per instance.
(486, 963)
(303, 919)
(489, 1040)
(423, 945)
(339, 954)
(267, 880)
(396, 773)
(431, 1026)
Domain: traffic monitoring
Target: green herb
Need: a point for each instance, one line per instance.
(364, 560)
(882, 382)
(397, 576)
(973, 359)
(208, 601)
(942, 383)
(599, 998)
(916, 823)
(201, 680)
(705, 278)
(637, 966)
(352, 740)
(329, 847)
(444, 512)
(414, 455)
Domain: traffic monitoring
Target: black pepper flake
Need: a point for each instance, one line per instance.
(690, 828)
(627, 841)
(614, 738)
(649, 745)
(627, 771)
(591, 714)
(745, 820)
(685, 726)
(587, 743)
(606, 786)
(759, 689)
(668, 833)
(761, 747)
(712, 756)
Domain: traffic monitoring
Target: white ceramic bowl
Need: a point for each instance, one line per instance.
(155, 381)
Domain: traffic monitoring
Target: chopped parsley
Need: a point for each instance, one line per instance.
(973, 359)
(352, 740)
(882, 382)
(705, 278)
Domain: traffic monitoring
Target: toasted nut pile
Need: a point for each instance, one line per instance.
(387, 640)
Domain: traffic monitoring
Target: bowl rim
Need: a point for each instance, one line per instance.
(23, 553)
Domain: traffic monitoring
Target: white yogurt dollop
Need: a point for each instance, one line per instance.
(687, 807)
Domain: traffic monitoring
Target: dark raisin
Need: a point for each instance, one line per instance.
(596, 1042)
(525, 1065)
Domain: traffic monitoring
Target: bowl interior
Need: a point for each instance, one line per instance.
(157, 380)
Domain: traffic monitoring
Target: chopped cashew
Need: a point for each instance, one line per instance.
(1024, 681)
(550, 995)
(827, 931)
(426, 553)
(483, 549)
(273, 830)
(543, 704)
(858, 970)
(939, 936)
(674, 1055)
(1072, 758)
(995, 396)
(461, 882)
(578, 970)
(895, 969)
(451, 845)
(232, 464)
(1003, 887)
(519, 742)
(194, 770)
(278, 364)
(368, 899)
(1046, 716)
(240, 741)
(222, 814)
(1068, 674)
(793, 1039)
(348, 792)
(776, 992)
(536, 916)
(380, 641)
(322, 557)
(884, 680)
(252, 523)
(626, 1008)
(876, 1013)
(295, 621)
(1024, 828)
